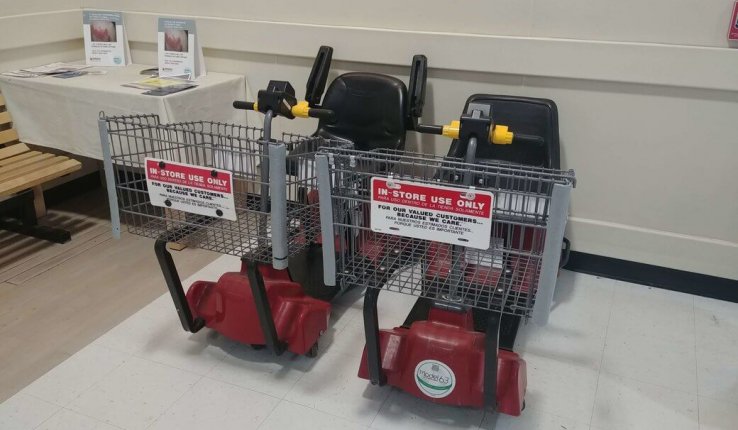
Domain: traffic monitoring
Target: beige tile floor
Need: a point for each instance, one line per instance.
(583, 372)
(55, 299)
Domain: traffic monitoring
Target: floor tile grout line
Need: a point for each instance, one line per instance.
(240, 386)
(640, 381)
(384, 402)
(219, 360)
(93, 418)
(696, 361)
(66, 406)
(646, 335)
(174, 402)
(266, 417)
(484, 417)
(602, 353)
(45, 401)
(327, 413)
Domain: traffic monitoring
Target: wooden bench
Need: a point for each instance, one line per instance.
(22, 172)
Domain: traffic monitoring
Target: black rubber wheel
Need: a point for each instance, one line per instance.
(313, 352)
(306, 268)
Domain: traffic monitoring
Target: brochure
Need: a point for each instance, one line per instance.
(47, 70)
(68, 75)
(106, 41)
(55, 68)
(168, 90)
(156, 83)
(180, 52)
(20, 74)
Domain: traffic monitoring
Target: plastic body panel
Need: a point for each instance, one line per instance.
(228, 307)
(449, 338)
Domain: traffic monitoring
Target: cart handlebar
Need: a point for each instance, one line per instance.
(300, 110)
(303, 110)
(244, 105)
(498, 135)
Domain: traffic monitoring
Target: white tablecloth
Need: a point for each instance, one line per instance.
(63, 113)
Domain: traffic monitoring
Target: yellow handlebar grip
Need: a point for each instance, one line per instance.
(301, 109)
(256, 106)
(501, 136)
(452, 130)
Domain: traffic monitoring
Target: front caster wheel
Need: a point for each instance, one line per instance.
(313, 352)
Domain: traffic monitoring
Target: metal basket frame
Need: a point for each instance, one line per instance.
(273, 181)
(528, 221)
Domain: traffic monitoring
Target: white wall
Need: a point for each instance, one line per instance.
(34, 32)
(647, 94)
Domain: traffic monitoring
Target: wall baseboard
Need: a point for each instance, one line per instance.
(655, 276)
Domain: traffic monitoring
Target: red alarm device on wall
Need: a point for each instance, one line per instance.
(733, 31)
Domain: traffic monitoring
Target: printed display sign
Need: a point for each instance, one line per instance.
(194, 189)
(733, 31)
(432, 212)
(434, 378)
(180, 53)
(106, 42)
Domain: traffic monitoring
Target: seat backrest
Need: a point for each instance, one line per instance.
(525, 115)
(369, 109)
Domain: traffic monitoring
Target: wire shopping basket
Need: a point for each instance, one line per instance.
(274, 186)
(486, 235)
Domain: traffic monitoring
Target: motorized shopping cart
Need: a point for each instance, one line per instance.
(234, 190)
(464, 234)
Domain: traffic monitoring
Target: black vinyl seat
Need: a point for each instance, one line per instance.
(524, 115)
(369, 111)
(529, 116)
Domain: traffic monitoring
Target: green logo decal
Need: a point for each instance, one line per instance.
(434, 378)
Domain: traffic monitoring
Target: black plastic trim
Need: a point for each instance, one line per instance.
(666, 278)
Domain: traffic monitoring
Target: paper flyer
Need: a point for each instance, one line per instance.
(106, 41)
(180, 53)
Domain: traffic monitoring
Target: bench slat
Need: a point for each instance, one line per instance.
(2, 101)
(5, 118)
(23, 170)
(13, 150)
(17, 158)
(18, 164)
(38, 177)
(8, 136)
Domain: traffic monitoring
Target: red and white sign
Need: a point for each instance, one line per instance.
(432, 212)
(733, 31)
(194, 189)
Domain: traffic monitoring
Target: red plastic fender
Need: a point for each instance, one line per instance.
(228, 307)
(442, 360)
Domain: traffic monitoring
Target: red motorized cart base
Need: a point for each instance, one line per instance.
(229, 307)
(447, 339)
